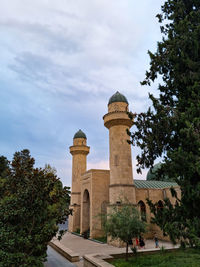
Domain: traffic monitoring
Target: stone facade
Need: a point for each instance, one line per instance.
(95, 191)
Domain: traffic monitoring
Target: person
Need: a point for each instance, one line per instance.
(156, 241)
(141, 242)
(136, 242)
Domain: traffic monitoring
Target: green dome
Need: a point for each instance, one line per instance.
(117, 97)
(80, 134)
(151, 175)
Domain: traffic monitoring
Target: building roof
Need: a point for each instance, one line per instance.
(153, 184)
(80, 134)
(117, 97)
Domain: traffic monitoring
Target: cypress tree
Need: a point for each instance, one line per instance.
(170, 128)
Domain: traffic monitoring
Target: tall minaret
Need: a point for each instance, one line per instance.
(79, 152)
(121, 177)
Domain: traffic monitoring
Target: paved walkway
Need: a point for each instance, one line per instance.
(84, 246)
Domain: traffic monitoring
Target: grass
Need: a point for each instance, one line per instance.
(178, 258)
(102, 239)
(77, 231)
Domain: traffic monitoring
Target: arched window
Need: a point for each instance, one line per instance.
(86, 213)
(86, 196)
(142, 209)
(160, 206)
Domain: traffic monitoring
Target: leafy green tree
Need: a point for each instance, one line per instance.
(124, 223)
(3, 165)
(171, 127)
(49, 169)
(153, 174)
(32, 203)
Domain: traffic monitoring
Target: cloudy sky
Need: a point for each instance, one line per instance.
(60, 61)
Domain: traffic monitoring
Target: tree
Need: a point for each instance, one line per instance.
(3, 165)
(32, 203)
(124, 223)
(171, 127)
(49, 169)
(153, 174)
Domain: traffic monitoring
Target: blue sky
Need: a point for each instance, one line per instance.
(60, 63)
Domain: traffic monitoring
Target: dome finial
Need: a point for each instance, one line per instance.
(80, 134)
(117, 97)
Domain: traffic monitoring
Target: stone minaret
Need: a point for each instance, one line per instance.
(121, 177)
(79, 152)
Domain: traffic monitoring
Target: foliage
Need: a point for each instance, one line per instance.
(154, 174)
(32, 203)
(124, 223)
(49, 169)
(77, 231)
(171, 128)
(102, 239)
(86, 234)
(134, 250)
(3, 165)
(178, 258)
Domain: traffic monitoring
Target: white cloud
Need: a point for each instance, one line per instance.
(61, 61)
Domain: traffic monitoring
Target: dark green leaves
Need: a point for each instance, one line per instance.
(171, 127)
(32, 203)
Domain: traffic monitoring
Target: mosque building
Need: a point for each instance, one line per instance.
(94, 191)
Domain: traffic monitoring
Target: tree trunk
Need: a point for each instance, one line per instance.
(126, 251)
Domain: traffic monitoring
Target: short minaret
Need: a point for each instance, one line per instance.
(121, 177)
(79, 152)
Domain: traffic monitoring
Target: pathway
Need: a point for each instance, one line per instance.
(83, 246)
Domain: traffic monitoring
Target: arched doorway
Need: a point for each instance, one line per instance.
(86, 211)
(142, 209)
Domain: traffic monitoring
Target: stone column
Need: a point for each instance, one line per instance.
(79, 152)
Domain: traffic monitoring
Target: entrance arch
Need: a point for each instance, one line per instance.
(86, 211)
(142, 209)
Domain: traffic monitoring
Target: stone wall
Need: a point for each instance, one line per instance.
(96, 182)
(154, 195)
